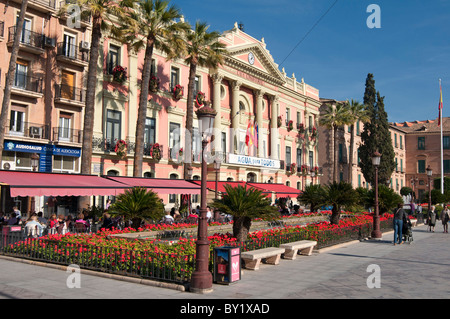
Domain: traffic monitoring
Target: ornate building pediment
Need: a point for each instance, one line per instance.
(254, 60)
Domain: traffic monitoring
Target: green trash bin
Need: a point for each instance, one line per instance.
(227, 264)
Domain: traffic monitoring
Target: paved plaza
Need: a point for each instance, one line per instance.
(408, 271)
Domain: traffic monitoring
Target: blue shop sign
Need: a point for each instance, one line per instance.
(47, 150)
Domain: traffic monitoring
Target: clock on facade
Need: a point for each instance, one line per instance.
(251, 58)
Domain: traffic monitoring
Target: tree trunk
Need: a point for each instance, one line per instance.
(11, 74)
(335, 215)
(136, 222)
(241, 227)
(350, 157)
(142, 111)
(335, 154)
(189, 118)
(86, 155)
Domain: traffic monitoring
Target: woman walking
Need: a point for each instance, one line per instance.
(445, 217)
(431, 220)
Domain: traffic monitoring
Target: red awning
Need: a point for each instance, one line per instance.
(280, 190)
(211, 185)
(54, 184)
(158, 185)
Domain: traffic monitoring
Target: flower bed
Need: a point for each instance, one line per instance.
(175, 262)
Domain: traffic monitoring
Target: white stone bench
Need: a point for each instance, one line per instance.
(253, 258)
(304, 247)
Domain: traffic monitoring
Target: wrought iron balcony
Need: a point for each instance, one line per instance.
(25, 82)
(28, 39)
(71, 93)
(18, 128)
(72, 54)
(67, 135)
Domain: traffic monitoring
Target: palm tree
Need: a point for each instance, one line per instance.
(101, 12)
(313, 195)
(151, 25)
(339, 195)
(243, 204)
(357, 112)
(332, 118)
(138, 204)
(11, 73)
(202, 49)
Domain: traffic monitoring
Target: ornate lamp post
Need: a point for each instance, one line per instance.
(34, 166)
(217, 163)
(429, 174)
(201, 279)
(376, 232)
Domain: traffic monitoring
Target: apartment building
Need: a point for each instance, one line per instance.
(423, 150)
(47, 101)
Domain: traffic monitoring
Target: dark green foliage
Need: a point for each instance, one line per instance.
(244, 203)
(138, 204)
(405, 191)
(339, 195)
(313, 196)
(376, 137)
(388, 199)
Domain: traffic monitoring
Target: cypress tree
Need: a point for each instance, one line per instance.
(376, 137)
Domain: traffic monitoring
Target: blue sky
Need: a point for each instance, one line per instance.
(407, 55)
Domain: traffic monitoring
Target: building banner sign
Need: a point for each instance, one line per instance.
(41, 149)
(253, 161)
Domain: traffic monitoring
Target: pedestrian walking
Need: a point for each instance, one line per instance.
(445, 217)
(398, 224)
(431, 219)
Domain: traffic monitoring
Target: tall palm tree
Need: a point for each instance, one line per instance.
(101, 12)
(357, 112)
(11, 73)
(202, 49)
(244, 203)
(332, 118)
(151, 25)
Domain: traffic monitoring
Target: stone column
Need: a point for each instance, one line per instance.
(274, 127)
(236, 85)
(259, 120)
(217, 81)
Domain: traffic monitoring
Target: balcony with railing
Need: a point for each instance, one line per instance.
(27, 85)
(30, 41)
(70, 95)
(67, 135)
(2, 30)
(18, 128)
(46, 6)
(72, 54)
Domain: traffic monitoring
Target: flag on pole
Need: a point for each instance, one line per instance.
(441, 104)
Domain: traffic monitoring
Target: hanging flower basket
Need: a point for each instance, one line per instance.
(316, 170)
(177, 92)
(154, 84)
(155, 152)
(119, 74)
(279, 121)
(121, 148)
(200, 99)
(301, 128)
(314, 133)
(180, 152)
(293, 168)
(290, 126)
(304, 169)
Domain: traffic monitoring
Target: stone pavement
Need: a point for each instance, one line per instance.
(418, 270)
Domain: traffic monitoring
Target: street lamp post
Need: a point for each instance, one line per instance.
(201, 279)
(217, 163)
(429, 174)
(376, 232)
(34, 166)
